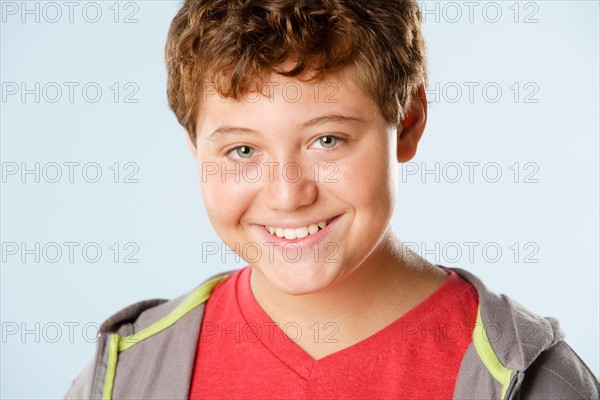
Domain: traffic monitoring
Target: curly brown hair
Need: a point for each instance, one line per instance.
(238, 44)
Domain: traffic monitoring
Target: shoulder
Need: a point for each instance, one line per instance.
(522, 352)
(138, 322)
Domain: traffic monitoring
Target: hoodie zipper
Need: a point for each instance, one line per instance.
(511, 386)
(98, 366)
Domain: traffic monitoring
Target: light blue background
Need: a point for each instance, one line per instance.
(163, 213)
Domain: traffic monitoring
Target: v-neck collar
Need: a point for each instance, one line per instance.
(272, 336)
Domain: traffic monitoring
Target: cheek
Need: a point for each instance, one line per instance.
(225, 200)
(369, 181)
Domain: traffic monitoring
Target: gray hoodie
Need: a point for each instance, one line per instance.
(147, 351)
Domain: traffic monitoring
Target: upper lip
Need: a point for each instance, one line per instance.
(296, 224)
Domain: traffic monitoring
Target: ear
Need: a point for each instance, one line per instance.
(191, 145)
(413, 125)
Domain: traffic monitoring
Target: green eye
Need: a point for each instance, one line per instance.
(244, 151)
(328, 141)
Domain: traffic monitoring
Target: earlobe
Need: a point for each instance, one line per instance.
(413, 126)
(191, 144)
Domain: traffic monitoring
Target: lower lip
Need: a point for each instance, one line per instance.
(305, 242)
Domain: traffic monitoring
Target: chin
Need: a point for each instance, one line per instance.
(300, 279)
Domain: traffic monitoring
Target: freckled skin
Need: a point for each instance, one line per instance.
(356, 180)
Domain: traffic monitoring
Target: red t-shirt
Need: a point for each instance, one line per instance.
(242, 353)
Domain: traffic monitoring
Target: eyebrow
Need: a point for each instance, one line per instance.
(332, 118)
(223, 131)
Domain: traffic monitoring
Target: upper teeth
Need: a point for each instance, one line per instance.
(296, 233)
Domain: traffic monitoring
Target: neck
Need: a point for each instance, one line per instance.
(388, 283)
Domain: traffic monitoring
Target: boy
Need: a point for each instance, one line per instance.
(297, 113)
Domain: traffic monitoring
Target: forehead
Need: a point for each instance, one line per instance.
(286, 100)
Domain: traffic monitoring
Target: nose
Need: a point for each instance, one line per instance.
(289, 187)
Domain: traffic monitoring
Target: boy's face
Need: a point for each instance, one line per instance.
(282, 165)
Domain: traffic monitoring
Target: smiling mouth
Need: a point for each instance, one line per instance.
(296, 233)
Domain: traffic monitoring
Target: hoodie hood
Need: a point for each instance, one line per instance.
(517, 335)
